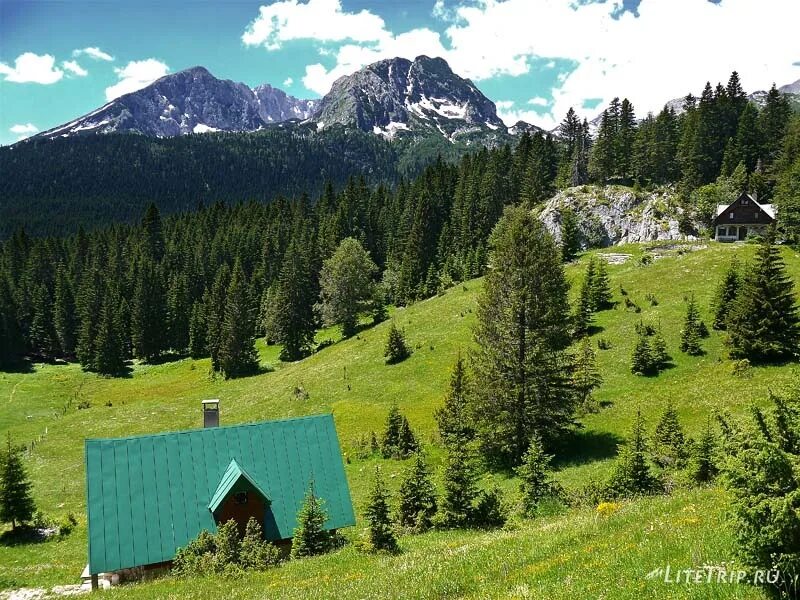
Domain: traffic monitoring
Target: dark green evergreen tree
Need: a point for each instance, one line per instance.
(294, 317)
(16, 501)
(523, 374)
(237, 353)
(669, 440)
(109, 346)
(703, 466)
(586, 377)
(691, 332)
(642, 360)
(764, 323)
(310, 536)
(725, 295)
(535, 480)
(460, 491)
(570, 235)
(380, 534)
(65, 318)
(453, 417)
(198, 329)
(149, 312)
(417, 496)
(11, 346)
(179, 310)
(602, 298)
(396, 349)
(631, 475)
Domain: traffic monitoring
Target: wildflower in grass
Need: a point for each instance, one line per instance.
(606, 509)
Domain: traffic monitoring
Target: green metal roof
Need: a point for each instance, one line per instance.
(147, 496)
(233, 475)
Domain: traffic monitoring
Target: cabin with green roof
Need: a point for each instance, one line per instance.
(149, 495)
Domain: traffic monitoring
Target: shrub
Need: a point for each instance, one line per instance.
(488, 511)
(396, 348)
(255, 553)
(631, 475)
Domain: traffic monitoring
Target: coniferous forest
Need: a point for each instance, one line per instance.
(203, 273)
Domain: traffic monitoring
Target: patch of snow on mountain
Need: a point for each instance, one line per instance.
(203, 128)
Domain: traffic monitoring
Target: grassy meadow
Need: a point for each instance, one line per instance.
(579, 553)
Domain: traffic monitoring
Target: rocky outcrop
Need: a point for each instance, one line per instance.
(615, 215)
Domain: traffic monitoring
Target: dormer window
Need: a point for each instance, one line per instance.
(240, 498)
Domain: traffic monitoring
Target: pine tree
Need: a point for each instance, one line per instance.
(398, 439)
(586, 377)
(453, 417)
(570, 235)
(179, 309)
(704, 467)
(691, 332)
(658, 351)
(149, 313)
(764, 323)
(294, 317)
(642, 360)
(396, 349)
(198, 329)
(584, 314)
(237, 353)
(16, 501)
(310, 536)
(625, 136)
(534, 473)
(379, 523)
(41, 333)
(456, 508)
(11, 346)
(601, 287)
(523, 374)
(64, 313)
(109, 349)
(601, 162)
(725, 295)
(417, 496)
(773, 122)
(748, 137)
(152, 234)
(631, 475)
(669, 441)
(89, 303)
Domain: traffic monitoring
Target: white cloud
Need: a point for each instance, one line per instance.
(23, 131)
(136, 75)
(73, 67)
(32, 68)
(288, 82)
(321, 20)
(93, 52)
(539, 101)
(640, 58)
(511, 115)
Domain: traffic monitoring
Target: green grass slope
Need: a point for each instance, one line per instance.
(351, 380)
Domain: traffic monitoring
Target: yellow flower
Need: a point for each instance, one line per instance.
(607, 509)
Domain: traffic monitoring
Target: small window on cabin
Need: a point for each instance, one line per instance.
(721, 230)
(744, 201)
(731, 215)
(240, 498)
(756, 217)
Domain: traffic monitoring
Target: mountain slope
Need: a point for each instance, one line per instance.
(191, 101)
(396, 95)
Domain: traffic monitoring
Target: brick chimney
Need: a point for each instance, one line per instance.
(210, 413)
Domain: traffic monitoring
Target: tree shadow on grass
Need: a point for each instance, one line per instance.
(20, 366)
(22, 535)
(582, 447)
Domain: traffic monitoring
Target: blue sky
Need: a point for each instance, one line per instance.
(534, 58)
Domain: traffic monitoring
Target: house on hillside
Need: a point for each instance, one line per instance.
(149, 495)
(745, 216)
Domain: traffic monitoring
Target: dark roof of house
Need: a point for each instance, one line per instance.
(767, 209)
(149, 495)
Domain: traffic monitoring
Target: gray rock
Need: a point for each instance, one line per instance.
(614, 215)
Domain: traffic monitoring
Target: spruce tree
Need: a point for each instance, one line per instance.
(109, 347)
(179, 310)
(396, 349)
(398, 439)
(642, 361)
(89, 303)
(658, 351)
(310, 536)
(65, 313)
(586, 377)
(725, 295)
(631, 475)
(704, 467)
(11, 346)
(764, 324)
(582, 319)
(534, 473)
(669, 441)
(417, 496)
(453, 417)
(294, 317)
(149, 312)
(380, 535)
(198, 329)
(570, 235)
(456, 508)
(41, 333)
(16, 501)
(522, 371)
(601, 287)
(237, 353)
(691, 332)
